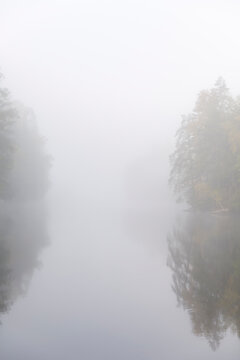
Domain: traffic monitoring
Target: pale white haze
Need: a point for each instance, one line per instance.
(108, 82)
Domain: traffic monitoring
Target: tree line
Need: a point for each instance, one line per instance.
(205, 166)
(24, 164)
(24, 180)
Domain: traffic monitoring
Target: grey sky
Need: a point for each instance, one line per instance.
(128, 58)
(110, 78)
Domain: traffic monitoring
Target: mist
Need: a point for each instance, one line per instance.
(91, 231)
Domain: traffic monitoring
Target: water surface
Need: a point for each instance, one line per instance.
(104, 290)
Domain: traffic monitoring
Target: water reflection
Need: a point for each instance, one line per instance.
(204, 256)
(23, 235)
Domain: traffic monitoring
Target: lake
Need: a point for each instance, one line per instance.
(115, 282)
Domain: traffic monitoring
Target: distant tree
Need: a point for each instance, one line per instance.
(205, 166)
(24, 176)
(8, 117)
(24, 164)
(30, 170)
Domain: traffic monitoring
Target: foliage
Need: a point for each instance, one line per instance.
(24, 165)
(8, 117)
(205, 166)
(29, 173)
(24, 169)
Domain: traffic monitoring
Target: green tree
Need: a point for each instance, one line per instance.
(205, 166)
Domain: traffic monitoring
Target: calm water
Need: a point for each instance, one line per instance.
(117, 283)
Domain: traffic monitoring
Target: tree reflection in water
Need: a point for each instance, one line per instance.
(204, 256)
(23, 235)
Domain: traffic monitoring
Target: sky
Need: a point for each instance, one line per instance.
(109, 80)
(116, 71)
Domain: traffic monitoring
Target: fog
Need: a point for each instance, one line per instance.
(91, 221)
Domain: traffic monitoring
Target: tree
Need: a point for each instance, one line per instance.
(24, 164)
(8, 116)
(205, 166)
(29, 174)
(24, 170)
